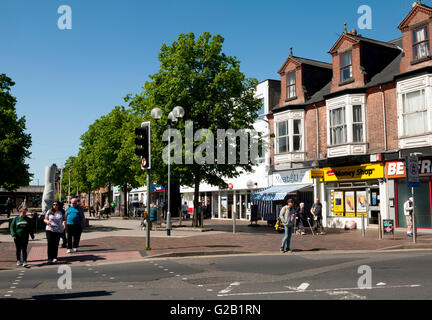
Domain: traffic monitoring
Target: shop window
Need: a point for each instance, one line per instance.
(422, 203)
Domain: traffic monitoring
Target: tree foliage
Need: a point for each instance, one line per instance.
(195, 74)
(14, 142)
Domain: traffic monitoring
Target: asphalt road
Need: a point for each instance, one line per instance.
(323, 276)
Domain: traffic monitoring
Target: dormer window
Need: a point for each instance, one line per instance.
(420, 43)
(345, 66)
(291, 85)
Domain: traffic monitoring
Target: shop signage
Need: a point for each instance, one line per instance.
(361, 172)
(292, 176)
(316, 174)
(396, 169)
(388, 226)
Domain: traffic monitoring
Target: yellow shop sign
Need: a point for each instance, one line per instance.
(316, 174)
(361, 172)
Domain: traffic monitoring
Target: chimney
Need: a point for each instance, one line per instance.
(353, 32)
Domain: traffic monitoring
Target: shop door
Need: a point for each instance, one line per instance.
(374, 206)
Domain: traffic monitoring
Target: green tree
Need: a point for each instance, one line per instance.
(14, 142)
(197, 75)
(107, 152)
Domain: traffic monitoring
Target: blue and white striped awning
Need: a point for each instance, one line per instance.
(276, 192)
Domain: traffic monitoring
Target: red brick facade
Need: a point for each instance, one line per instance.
(368, 78)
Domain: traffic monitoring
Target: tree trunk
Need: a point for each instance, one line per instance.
(125, 209)
(196, 197)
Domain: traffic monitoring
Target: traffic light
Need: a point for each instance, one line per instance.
(143, 144)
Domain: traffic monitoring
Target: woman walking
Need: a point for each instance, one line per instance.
(55, 221)
(20, 229)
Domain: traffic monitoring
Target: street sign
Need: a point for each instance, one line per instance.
(143, 162)
(230, 186)
(388, 226)
(316, 174)
(412, 171)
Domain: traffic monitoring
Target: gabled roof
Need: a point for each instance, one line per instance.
(298, 61)
(355, 38)
(417, 8)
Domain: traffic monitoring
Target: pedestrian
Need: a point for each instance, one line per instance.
(408, 209)
(300, 217)
(153, 214)
(97, 208)
(20, 229)
(316, 211)
(55, 221)
(9, 206)
(185, 210)
(287, 218)
(23, 205)
(75, 222)
(63, 234)
(201, 210)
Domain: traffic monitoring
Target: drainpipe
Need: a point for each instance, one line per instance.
(384, 118)
(317, 131)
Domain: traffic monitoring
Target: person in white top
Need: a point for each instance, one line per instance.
(408, 210)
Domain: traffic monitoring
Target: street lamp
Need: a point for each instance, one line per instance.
(173, 117)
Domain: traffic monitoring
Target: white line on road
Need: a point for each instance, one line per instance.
(381, 284)
(12, 287)
(112, 278)
(346, 295)
(165, 269)
(7, 295)
(314, 290)
(230, 287)
(303, 286)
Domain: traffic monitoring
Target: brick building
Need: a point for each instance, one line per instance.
(355, 120)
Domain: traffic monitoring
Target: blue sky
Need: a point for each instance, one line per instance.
(66, 79)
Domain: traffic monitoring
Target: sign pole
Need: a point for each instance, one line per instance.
(379, 226)
(414, 231)
(148, 212)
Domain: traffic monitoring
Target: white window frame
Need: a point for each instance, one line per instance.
(412, 85)
(289, 118)
(347, 101)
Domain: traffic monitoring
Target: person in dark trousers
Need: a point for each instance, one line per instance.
(55, 221)
(316, 211)
(75, 222)
(9, 206)
(63, 235)
(287, 218)
(20, 229)
(301, 216)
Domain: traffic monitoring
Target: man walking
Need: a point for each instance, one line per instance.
(317, 213)
(408, 210)
(185, 210)
(287, 218)
(75, 222)
(9, 206)
(301, 216)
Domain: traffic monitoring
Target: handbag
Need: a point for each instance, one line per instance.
(279, 227)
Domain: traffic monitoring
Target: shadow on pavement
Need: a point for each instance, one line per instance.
(61, 296)
(94, 228)
(68, 260)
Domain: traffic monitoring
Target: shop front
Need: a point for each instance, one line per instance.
(396, 172)
(352, 192)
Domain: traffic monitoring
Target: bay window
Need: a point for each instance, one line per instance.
(414, 113)
(338, 128)
(289, 136)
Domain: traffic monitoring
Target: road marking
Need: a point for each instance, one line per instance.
(171, 271)
(184, 279)
(209, 290)
(12, 287)
(230, 287)
(7, 295)
(177, 275)
(165, 269)
(346, 295)
(112, 278)
(303, 286)
(10, 291)
(104, 275)
(200, 285)
(381, 284)
(221, 294)
(130, 286)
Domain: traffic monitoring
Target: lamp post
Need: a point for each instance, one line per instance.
(173, 118)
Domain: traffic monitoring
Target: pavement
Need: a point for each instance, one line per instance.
(118, 239)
